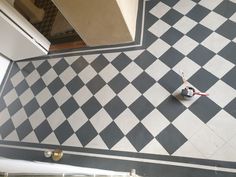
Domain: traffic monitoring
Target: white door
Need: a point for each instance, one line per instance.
(19, 39)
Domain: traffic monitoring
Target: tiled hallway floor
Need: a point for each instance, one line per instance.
(129, 100)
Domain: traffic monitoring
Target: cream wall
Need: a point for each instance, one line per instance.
(101, 22)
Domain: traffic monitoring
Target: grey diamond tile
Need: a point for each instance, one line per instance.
(7, 128)
(198, 13)
(143, 82)
(171, 108)
(2, 104)
(115, 107)
(99, 63)
(55, 86)
(24, 129)
(203, 80)
(43, 130)
(38, 86)
(118, 83)
(229, 52)
(21, 87)
(86, 133)
(8, 87)
(226, 8)
(139, 137)
(201, 55)
(111, 135)
(204, 108)
(69, 107)
(228, 29)
(79, 64)
(121, 62)
(31, 107)
(171, 139)
(230, 108)
(60, 66)
(170, 3)
(14, 107)
(74, 85)
(96, 84)
(171, 81)
(49, 107)
(199, 33)
(171, 17)
(141, 107)
(43, 68)
(63, 132)
(28, 69)
(145, 59)
(91, 107)
(171, 57)
(171, 36)
(229, 78)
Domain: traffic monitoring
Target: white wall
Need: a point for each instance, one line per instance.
(22, 166)
(4, 63)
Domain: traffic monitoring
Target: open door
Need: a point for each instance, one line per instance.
(19, 39)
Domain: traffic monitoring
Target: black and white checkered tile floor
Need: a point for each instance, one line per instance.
(128, 100)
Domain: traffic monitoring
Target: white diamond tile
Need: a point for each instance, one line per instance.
(159, 10)
(155, 122)
(233, 17)
(213, 21)
(73, 141)
(158, 48)
(157, 70)
(111, 56)
(215, 42)
(185, 24)
(100, 120)
(71, 59)
(36, 118)
(225, 153)
(187, 123)
(214, 66)
(184, 6)
(188, 150)
(223, 124)
(83, 95)
(56, 119)
(5, 116)
(37, 63)
(108, 73)
(32, 77)
(67, 75)
(210, 4)
(54, 61)
(124, 145)
(221, 93)
(62, 96)
(104, 95)
(51, 139)
(131, 71)
(185, 45)
(188, 66)
(206, 141)
(154, 147)
(17, 78)
(43, 96)
(129, 94)
(77, 119)
(19, 117)
(12, 136)
(26, 97)
(97, 143)
(21, 65)
(87, 74)
(49, 76)
(159, 28)
(10, 97)
(156, 94)
(31, 138)
(126, 121)
(134, 54)
(90, 58)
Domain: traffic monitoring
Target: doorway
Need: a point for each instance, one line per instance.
(50, 23)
